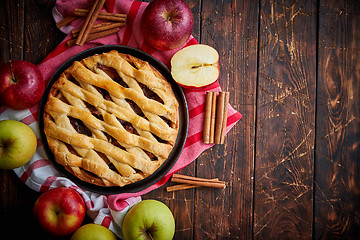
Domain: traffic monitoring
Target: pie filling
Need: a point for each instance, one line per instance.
(111, 119)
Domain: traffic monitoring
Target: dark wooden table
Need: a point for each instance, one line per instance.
(292, 164)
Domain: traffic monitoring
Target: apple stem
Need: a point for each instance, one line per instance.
(151, 237)
(12, 73)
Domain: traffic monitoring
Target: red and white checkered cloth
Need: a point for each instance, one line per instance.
(40, 175)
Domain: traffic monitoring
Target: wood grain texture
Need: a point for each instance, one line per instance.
(11, 30)
(231, 28)
(285, 120)
(11, 48)
(292, 162)
(24, 37)
(38, 22)
(337, 182)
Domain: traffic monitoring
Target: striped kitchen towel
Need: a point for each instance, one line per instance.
(40, 175)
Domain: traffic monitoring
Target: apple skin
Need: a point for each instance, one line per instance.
(21, 85)
(149, 219)
(93, 231)
(200, 88)
(17, 144)
(60, 211)
(167, 24)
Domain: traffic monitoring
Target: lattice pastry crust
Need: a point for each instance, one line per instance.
(111, 119)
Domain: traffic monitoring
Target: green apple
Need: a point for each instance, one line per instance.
(17, 144)
(93, 231)
(149, 219)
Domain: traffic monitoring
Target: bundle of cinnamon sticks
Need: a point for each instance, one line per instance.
(89, 31)
(193, 182)
(216, 108)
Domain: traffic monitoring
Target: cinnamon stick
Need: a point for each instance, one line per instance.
(213, 115)
(69, 19)
(226, 104)
(215, 118)
(86, 23)
(65, 21)
(115, 17)
(221, 117)
(180, 187)
(100, 27)
(198, 181)
(207, 117)
(96, 35)
(184, 186)
(89, 22)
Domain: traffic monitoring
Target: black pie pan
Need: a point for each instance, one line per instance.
(174, 154)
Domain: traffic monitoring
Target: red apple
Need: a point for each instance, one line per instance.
(60, 211)
(195, 66)
(167, 24)
(21, 84)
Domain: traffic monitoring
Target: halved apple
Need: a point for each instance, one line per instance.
(195, 66)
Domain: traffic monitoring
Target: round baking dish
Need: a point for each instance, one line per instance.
(183, 122)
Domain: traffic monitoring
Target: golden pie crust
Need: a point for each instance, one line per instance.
(111, 119)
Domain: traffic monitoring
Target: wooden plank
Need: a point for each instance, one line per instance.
(17, 199)
(181, 203)
(11, 26)
(231, 28)
(28, 33)
(11, 48)
(337, 182)
(41, 33)
(285, 115)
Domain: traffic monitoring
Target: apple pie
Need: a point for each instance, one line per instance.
(111, 119)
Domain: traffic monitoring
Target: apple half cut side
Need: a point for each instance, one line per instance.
(195, 66)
